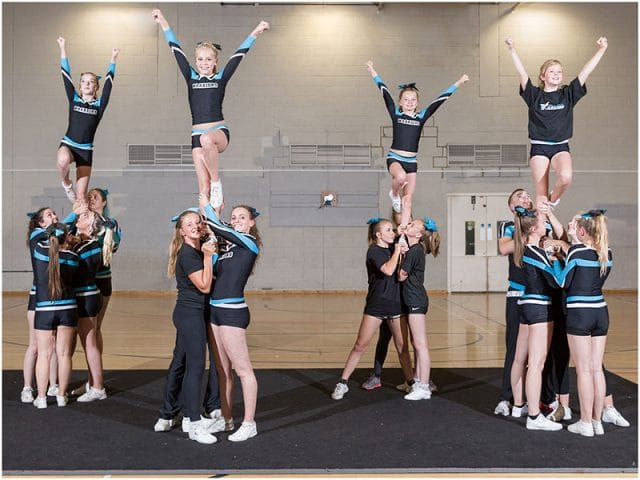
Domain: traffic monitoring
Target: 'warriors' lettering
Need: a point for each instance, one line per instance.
(205, 85)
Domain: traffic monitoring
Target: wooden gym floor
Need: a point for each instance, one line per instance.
(315, 330)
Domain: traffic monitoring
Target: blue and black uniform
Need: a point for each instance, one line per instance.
(587, 311)
(414, 295)
(383, 297)
(37, 235)
(88, 296)
(84, 117)
(232, 270)
(406, 128)
(103, 275)
(53, 313)
(184, 377)
(540, 284)
(513, 315)
(206, 93)
(551, 116)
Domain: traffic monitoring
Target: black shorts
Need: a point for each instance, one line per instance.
(549, 151)
(52, 319)
(195, 139)
(104, 285)
(421, 309)
(83, 158)
(89, 303)
(533, 313)
(408, 167)
(592, 322)
(230, 317)
(32, 301)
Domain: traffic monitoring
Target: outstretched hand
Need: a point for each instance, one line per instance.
(602, 43)
(510, 43)
(157, 15)
(61, 42)
(463, 79)
(114, 54)
(370, 68)
(262, 26)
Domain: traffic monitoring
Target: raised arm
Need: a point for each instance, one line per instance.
(522, 73)
(384, 90)
(591, 64)
(228, 233)
(174, 45)
(108, 81)
(65, 69)
(444, 96)
(243, 49)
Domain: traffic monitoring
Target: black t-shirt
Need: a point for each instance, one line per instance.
(188, 261)
(383, 297)
(551, 113)
(413, 292)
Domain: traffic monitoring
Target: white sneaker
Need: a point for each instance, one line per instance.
(567, 413)
(92, 395)
(396, 202)
(611, 415)
(68, 190)
(217, 413)
(163, 425)
(215, 194)
(246, 431)
(542, 423)
(209, 425)
(598, 429)
(52, 391)
(339, 391)
(582, 428)
(40, 402)
(404, 387)
(503, 408)
(419, 391)
(518, 412)
(198, 433)
(62, 400)
(26, 396)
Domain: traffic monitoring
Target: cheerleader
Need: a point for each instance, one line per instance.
(551, 120)
(38, 223)
(408, 123)
(534, 334)
(589, 262)
(92, 254)
(190, 262)
(230, 314)
(206, 89)
(422, 238)
(85, 112)
(56, 315)
(383, 302)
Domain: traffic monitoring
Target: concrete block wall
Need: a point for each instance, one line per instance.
(304, 81)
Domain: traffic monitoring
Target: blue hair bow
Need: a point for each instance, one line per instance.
(430, 224)
(402, 86)
(31, 214)
(254, 213)
(594, 213)
(190, 209)
(523, 212)
(373, 220)
(104, 191)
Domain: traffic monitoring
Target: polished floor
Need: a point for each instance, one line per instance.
(318, 330)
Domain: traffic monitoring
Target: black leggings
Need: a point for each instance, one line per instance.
(187, 366)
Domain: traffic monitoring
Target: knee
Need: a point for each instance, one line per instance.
(207, 142)
(564, 178)
(401, 177)
(360, 346)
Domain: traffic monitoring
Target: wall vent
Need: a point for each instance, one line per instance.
(487, 155)
(329, 155)
(159, 155)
